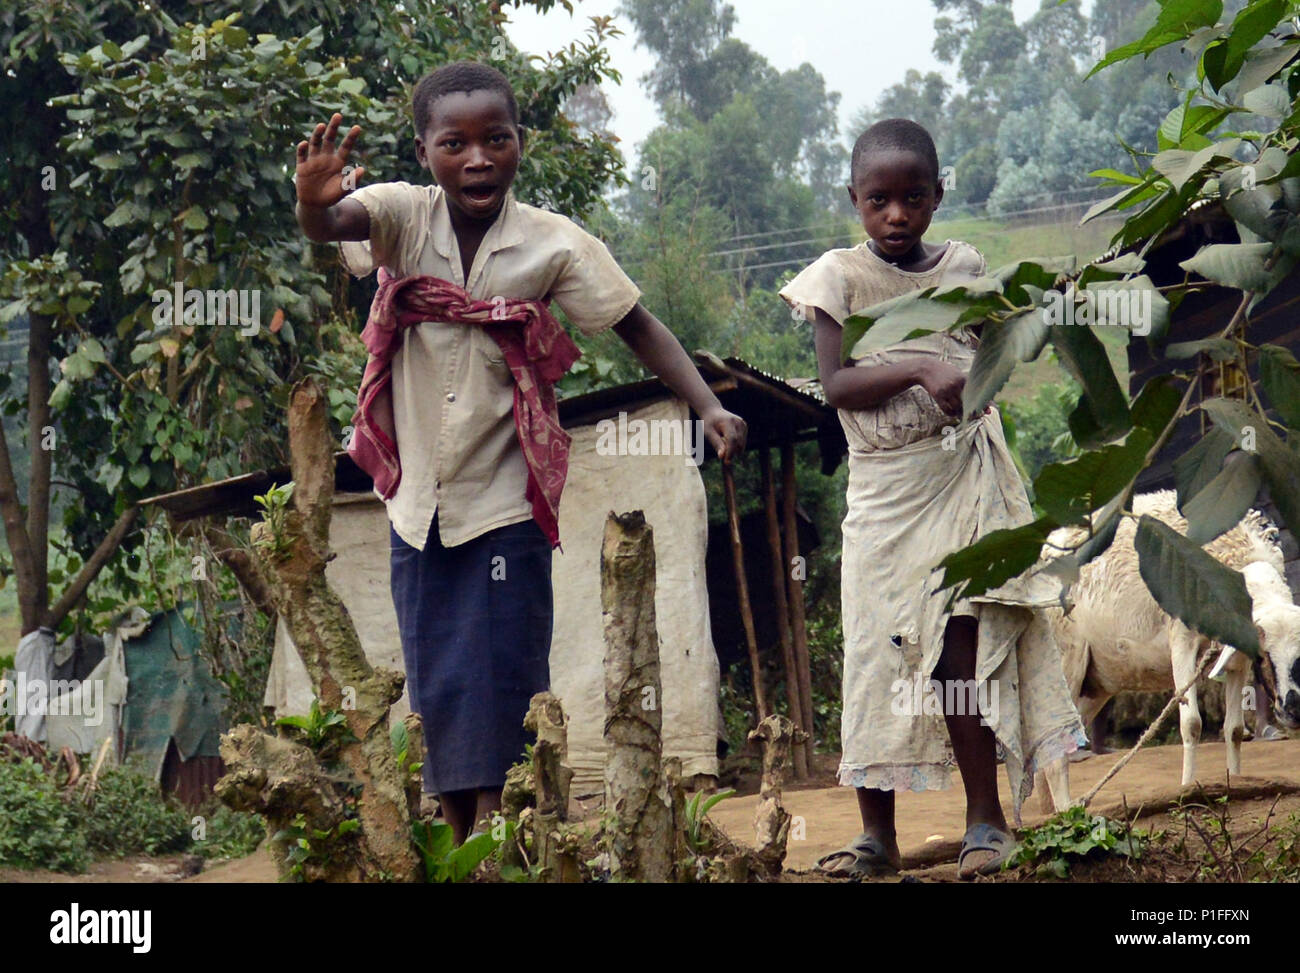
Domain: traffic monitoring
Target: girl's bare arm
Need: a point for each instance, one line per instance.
(325, 214)
(848, 387)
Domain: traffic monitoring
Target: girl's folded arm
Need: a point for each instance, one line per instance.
(848, 387)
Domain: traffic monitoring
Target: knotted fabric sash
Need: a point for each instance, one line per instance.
(536, 348)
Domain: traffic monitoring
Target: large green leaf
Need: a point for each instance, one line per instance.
(1195, 588)
(897, 320)
(1102, 414)
(1251, 25)
(1135, 303)
(1067, 492)
(1264, 62)
(1225, 499)
(1238, 265)
(1177, 20)
(1270, 100)
(1020, 338)
(1201, 463)
(1279, 373)
(1180, 165)
(1220, 349)
(995, 558)
(1280, 464)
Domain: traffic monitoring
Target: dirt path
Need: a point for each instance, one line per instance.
(831, 814)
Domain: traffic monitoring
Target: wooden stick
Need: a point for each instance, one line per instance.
(1150, 731)
(742, 592)
(798, 624)
(792, 692)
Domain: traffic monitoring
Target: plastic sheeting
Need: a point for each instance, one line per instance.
(34, 665)
(670, 492)
(91, 712)
(173, 698)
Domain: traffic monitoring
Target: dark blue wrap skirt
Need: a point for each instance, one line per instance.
(475, 623)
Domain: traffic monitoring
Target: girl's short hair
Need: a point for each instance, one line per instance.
(459, 76)
(894, 135)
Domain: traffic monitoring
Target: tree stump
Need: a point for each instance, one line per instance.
(292, 569)
(556, 847)
(642, 834)
(771, 820)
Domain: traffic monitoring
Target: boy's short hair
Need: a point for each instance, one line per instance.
(459, 76)
(894, 135)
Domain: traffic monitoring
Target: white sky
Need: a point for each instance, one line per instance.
(861, 47)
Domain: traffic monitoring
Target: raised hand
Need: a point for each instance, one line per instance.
(319, 174)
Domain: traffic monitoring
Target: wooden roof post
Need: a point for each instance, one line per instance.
(794, 696)
(798, 626)
(742, 592)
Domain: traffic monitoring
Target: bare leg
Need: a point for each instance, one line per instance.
(487, 806)
(973, 744)
(877, 810)
(458, 810)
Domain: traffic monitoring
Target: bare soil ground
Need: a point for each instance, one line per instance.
(930, 824)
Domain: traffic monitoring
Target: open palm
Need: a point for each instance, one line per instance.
(319, 175)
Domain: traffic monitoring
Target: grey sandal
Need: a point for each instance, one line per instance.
(868, 859)
(985, 837)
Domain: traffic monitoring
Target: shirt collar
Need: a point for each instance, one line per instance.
(506, 230)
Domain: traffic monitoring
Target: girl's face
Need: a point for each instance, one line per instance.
(472, 146)
(896, 193)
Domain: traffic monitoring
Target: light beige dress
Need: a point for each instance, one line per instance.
(921, 485)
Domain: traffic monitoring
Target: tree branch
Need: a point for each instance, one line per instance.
(90, 570)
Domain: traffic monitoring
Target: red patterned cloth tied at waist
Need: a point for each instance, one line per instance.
(536, 348)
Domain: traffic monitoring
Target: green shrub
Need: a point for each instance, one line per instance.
(229, 833)
(128, 815)
(1072, 836)
(38, 829)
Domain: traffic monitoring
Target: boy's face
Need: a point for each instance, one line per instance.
(895, 194)
(472, 147)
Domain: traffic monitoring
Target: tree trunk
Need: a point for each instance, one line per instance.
(642, 834)
(42, 460)
(341, 676)
(20, 546)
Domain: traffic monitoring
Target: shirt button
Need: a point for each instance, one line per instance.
(451, 396)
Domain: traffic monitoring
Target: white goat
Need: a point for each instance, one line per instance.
(1118, 639)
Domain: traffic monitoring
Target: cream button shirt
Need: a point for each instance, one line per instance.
(453, 393)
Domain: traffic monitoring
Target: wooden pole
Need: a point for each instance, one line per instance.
(742, 592)
(792, 690)
(798, 624)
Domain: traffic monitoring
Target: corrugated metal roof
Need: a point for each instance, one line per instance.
(776, 411)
